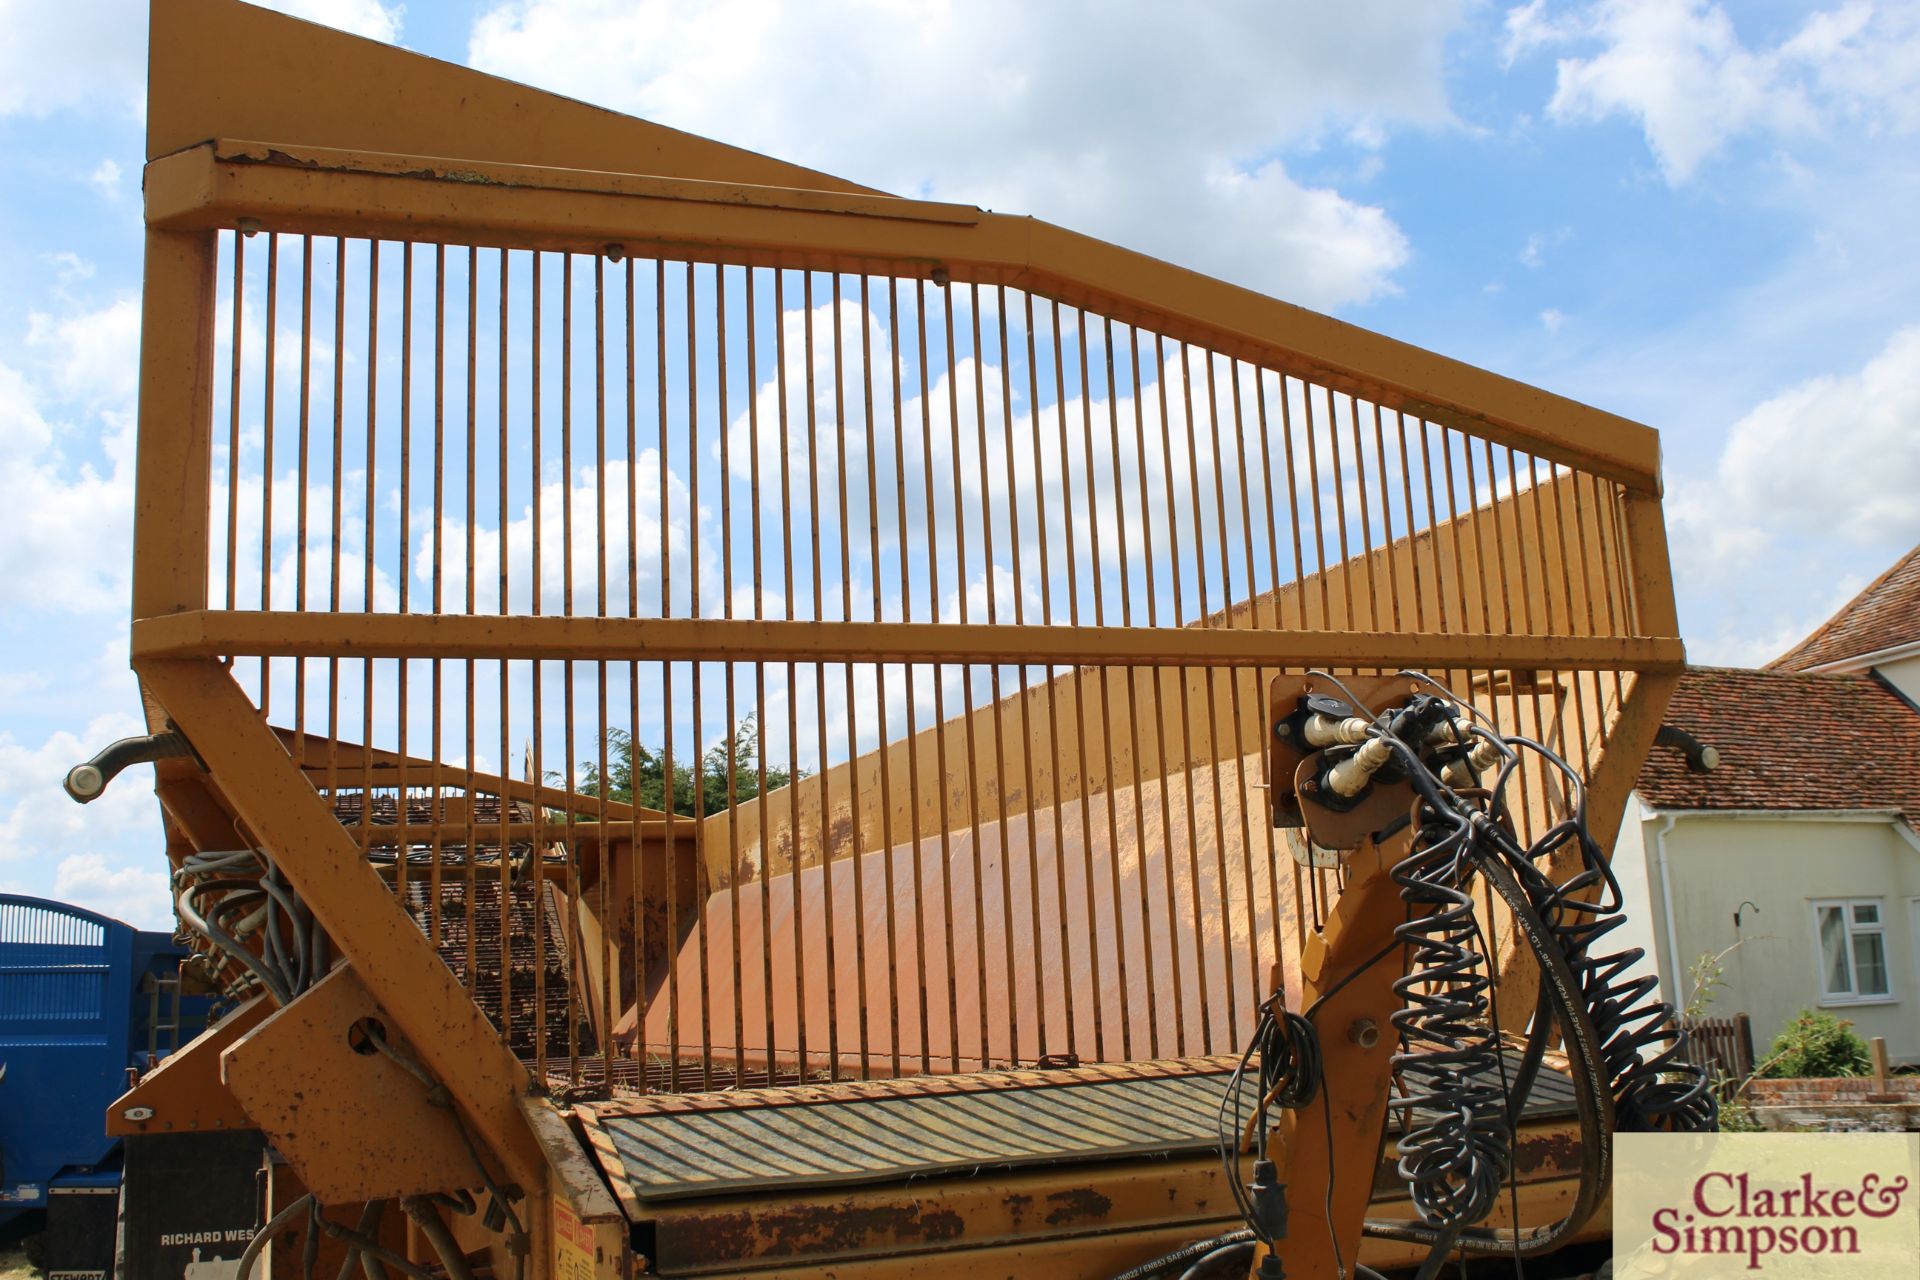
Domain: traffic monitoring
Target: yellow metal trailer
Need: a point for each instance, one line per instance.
(732, 716)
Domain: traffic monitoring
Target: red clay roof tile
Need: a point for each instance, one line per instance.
(1884, 616)
(1790, 740)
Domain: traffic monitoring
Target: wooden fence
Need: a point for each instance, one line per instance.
(1724, 1046)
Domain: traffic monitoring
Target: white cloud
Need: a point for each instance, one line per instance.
(69, 266)
(1809, 479)
(367, 18)
(136, 894)
(1081, 116)
(1551, 319)
(91, 55)
(1682, 70)
(106, 176)
(39, 821)
(1836, 454)
(67, 539)
(94, 355)
(1533, 254)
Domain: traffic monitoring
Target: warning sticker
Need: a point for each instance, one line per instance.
(572, 1244)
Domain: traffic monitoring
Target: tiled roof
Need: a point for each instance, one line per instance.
(1884, 616)
(1789, 740)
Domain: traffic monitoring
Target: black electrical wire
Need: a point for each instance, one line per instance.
(1464, 1099)
(1163, 1267)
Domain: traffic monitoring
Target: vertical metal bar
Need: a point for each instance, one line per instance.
(1026, 713)
(699, 722)
(820, 683)
(906, 615)
(880, 671)
(1266, 737)
(793, 722)
(1455, 533)
(1053, 706)
(1081, 683)
(724, 424)
(575, 961)
(1106, 708)
(1506, 604)
(1186, 710)
(235, 355)
(760, 674)
(337, 508)
(506, 685)
(1206, 674)
(1247, 826)
(269, 362)
(1413, 527)
(671, 864)
(472, 521)
(636, 850)
(536, 590)
(1586, 579)
(1366, 515)
(1499, 544)
(1340, 509)
(1159, 704)
(845, 527)
(403, 570)
(961, 590)
(999, 733)
(368, 537)
(1133, 722)
(300, 496)
(609, 978)
(1313, 484)
(939, 689)
(436, 803)
(1479, 535)
(1302, 884)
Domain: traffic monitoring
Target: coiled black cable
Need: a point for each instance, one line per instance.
(1455, 1149)
(1624, 1050)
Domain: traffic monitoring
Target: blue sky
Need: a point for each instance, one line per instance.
(1696, 215)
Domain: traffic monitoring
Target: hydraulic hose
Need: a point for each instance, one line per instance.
(85, 782)
(1464, 1095)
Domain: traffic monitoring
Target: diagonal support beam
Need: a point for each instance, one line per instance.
(427, 1004)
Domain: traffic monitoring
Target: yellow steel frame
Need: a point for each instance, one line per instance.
(402, 147)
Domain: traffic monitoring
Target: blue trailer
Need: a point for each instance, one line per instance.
(83, 998)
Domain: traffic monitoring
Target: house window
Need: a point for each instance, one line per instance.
(1852, 946)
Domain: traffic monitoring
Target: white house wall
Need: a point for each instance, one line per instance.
(1782, 865)
(1903, 675)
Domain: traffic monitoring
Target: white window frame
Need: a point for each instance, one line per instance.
(1851, 996)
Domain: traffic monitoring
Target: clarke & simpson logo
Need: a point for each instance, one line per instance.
(1729, 1214)
(1777, 1205)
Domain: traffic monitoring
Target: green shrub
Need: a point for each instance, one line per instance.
(1816, 1046)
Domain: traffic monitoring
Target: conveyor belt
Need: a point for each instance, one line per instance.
(669, 1147)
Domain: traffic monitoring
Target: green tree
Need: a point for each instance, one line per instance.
(637, 773)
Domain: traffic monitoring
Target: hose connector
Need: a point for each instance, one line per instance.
(85, 782)
(1350, 777)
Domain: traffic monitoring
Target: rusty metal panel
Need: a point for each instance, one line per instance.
(885, 1139)
(858, 1133)
(354, 1124)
